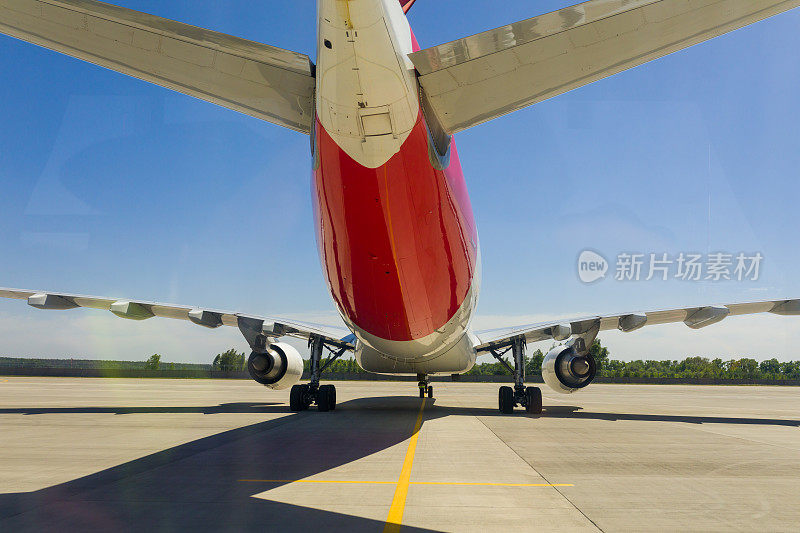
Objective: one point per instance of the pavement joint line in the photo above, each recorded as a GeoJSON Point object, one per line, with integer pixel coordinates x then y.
{"type": "Point", "coordinates": [394, 519]}
{"type": "Point", "coordinates": [738, 437]}
{"type": "Point", "coordinates": [457, 483]}
{"type": "Point", "coordinates": [539, 473]}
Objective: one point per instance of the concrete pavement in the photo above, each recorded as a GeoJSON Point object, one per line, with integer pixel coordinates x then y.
{"type": "Point", "coordinates": [228, 455]}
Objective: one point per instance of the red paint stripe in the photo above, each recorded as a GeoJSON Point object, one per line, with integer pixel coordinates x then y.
{"type": "Point", "coordinates": [398, 242]}
{"type": "Point", "coordinates": [414, 43]}
{"type": "Point", "coordinates": [407, 5]}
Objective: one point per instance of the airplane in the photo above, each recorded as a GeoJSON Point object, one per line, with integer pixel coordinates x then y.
{"type": "Point", "coordinates": [395, 229]}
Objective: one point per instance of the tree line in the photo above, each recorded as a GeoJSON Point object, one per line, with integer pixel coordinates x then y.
{"type": "Point", "coordinates": [153, 363]}
{"type": "Point", "coordinates": [691, 367]}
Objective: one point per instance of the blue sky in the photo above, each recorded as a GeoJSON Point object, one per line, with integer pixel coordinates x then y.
{"type": "Point", "coordinates": [115, 187]}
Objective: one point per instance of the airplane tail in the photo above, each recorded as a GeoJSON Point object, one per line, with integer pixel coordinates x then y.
{"type": "Point", "coordinates": [406, 5]}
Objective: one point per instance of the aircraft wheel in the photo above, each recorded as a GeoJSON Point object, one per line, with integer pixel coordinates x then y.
{"type": "Point", "coordinates": [297, 398]}
{"type": "Point", "coordinates": [430, 391]}
{"type": "Point", "coordinates": [333, 397]}
{"type": "Point", "coordinates": [534, 397]}
{"type": "Point", "coordinates": [506, 400]}
{"type": "Point", "coordinates": [325, 398]}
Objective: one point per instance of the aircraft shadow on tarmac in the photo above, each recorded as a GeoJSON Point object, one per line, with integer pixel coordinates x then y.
{"type": "Point", "coordinates": [197, 485]}
{"type": "Point", "coordinates": [576, 412]}
{"type": "Point", "coordinates": [572, 411]}
{"type": "Point", "coordinates": [556, 411]}
{"type": "Point", "coordinates": [241, 407]}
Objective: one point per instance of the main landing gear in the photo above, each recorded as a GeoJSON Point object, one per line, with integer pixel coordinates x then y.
{"type": "Point", "coordinates": [528, 397]}
{"type": "Point", "coordinates": [302, 396]}
{"type": "Point", "coordinates": [424, 387]}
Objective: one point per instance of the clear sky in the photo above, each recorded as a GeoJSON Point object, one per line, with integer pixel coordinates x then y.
{"type": "Point", "coordinates": [115, 187]}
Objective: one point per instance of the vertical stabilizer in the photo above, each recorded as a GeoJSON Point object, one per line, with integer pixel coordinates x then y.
{"type": "Point", "coordinates": [406, 4]}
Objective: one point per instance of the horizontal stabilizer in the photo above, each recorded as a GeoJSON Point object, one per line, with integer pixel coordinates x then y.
{"type": "Point", "coordinates": [478, 78]}
{"type": "Point", "coordinates": [253, 78]}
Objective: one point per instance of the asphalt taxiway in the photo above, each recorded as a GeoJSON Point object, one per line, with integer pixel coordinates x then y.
{"type": "Point", "coordinates": [155, 454]}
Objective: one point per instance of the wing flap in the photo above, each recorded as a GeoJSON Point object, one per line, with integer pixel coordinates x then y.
{"type": "Point", "coordinates": [209, 318]}
{"type": "Point", "coordinates": [18, 294]}
{"type": "Point", "coordinates": [478, 78]}
{"type": "Point", "coordinates": [693, 317]}
{"type": "Point", "coordinates": [256, 79]}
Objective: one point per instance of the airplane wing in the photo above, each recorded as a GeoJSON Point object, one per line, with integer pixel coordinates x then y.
{"type": "Point", "coordinates": [475, 79]}
{"type": "Point", "coordinates": [694, 317]}
{"type": "Point", "coordinates": [209, 318]}
{"type": "Point", "coordinates": [253, 78]}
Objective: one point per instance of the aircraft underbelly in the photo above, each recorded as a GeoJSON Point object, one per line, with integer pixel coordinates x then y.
{"type": "Point", "coordinates": [458, 358]}
{"type": "Point", "coordinates": [397, 243]}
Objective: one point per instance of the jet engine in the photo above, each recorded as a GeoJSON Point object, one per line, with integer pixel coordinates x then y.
{"type": "Point", "coordinates": [279, 367]}
{"type": "Point", "coordinates": [565, 371]}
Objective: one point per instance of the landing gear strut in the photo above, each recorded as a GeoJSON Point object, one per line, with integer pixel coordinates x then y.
{"type": "Point", "coordinates": [424, 387]}
{"type": "Point", "coordinates": [528, 397]}
{"type": "Point", "coordinates": [302, 396]}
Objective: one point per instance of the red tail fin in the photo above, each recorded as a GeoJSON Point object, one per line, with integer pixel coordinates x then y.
{"type": "Point", "coordinates": [406, 4]}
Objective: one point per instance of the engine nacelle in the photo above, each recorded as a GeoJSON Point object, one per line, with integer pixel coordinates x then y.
{"type": "Point", "coordinates": [278, 368]}
{"type": "Point", "coordinates": [565, 371]}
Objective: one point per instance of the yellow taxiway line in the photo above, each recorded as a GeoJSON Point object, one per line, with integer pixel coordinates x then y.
{"type": "Point", "coordinates": [394, 519]}
{"type": "Point", "coordinates": [314, 481]}
{"type": "Point", "coordinates": [455, 483]}
{"type": "Point", "coordinates": [493, 484]}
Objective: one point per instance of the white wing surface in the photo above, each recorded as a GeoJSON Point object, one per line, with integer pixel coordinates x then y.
{"type": "Point", "coordinates": [210, 318]}
{"type": "Point", "coordinates": [482, 77]}
{"type": "Point", "coordinates": [694, 317]}
{"type": "Point", "coordinates": [253, 78]}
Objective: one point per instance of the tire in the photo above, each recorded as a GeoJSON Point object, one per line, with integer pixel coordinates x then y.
{"type": "Point", "coordinates": [506, 400]}
{"type": "Point", "coordinates": [421, 392]}
{"type": "Point", "coordinates": [534, 397]}
{"type": "Point", "coordinates": [323, 399]}
{"type": "Point", "coordinates": [430, 391]}
{"type": "Point", "coordinates": [296, 398]}
{"type": "Point", "coordinates": [332, 390]}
